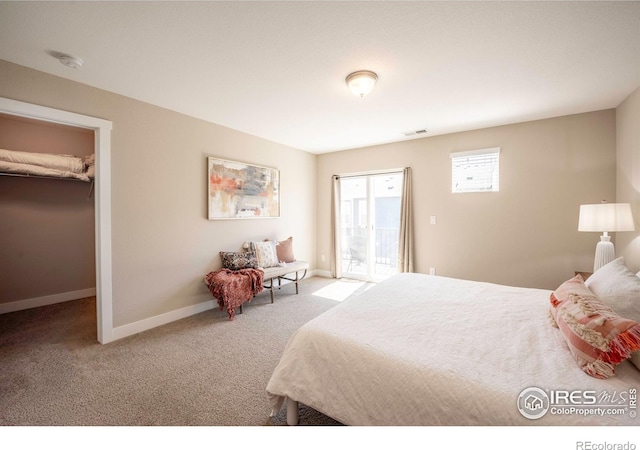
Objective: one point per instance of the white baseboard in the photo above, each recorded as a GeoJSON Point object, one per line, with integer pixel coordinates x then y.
{"type": "Point", "coordinates": [131, 328]}
{"type": "Point", "coordinates": [321, 273]}
{"type": "Point", "coordinates": [46, 300]}
{"type": "Point", "coordinates": [162, 319]}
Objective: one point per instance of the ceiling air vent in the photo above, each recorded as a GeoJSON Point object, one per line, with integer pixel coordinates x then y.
{"type": "Point", "coordinates": [415, 132]}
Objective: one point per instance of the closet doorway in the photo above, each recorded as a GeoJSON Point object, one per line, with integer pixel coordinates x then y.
{"type": "Point", "coordinates": [101, 194]}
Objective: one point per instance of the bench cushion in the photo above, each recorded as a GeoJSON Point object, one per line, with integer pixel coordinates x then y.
{"type": "Point", "coordinates": [279, 271]}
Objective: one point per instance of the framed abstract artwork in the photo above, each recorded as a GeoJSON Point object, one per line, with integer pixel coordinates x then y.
{"type": "Point", "coordinates": [242, 191]}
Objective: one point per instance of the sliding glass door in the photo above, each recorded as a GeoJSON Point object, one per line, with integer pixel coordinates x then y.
{"type": "Point", "coordinates": [369, 224]}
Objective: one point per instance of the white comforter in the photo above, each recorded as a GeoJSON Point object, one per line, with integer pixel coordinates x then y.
{"type": "Point", "coordinates": [427, 350]}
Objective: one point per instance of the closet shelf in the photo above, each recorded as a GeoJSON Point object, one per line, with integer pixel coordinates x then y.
{"type": "Point", "coordinates": [27, 175]}
{"type": "Point", "coordinates": [50, 166]}
{"type": "Point", "coordinates": [45, 177]}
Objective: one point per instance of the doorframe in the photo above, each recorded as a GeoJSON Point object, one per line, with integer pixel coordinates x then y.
{"type": "Point", "coordinates": [370, 227]}
{"type": "Point", "coordinates": [102, 189]}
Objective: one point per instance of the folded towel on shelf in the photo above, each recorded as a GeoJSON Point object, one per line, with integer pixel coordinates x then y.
{"type": "Point", "coordinates": [65, 163]}
{"type": "Point", "coordinates": [90, 163]}
{"type": "Point", "coordinates": [90, 160]}
{"type": "Point", "coordinates": [29, 169]}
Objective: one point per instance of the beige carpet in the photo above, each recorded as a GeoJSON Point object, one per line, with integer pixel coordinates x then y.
{"type": "Point", "coordinates": [202, 370]}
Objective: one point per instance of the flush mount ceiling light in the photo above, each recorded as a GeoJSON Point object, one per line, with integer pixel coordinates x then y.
{"type": "Point", "coordinates": [71, 61]}
{"type": "Point", "coordinates": [415, 132]}
{"type": "Point", "coordinates": [361, 82]}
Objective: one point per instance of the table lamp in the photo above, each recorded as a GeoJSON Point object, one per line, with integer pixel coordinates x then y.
{"type": "Point", "coordinates": [605, 218]}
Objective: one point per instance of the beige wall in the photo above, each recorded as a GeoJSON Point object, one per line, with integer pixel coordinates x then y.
{"type": "Point", "coordinates": [162, 243]}
{"type": "Point", "coordinates": [524, 235]}
{"type": "Point", "coordinates": [46, 226]}
{"type": "Point", "coordinates": [628, 174]}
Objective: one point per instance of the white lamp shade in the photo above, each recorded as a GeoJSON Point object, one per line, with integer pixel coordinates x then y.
{"type": "Point", "coordinates": [361, 82]}
{"type": "Point", "coordinates": [606, 217]}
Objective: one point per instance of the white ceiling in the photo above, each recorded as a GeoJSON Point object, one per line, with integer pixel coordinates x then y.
{"type": "Point", "coordinates": [277, 69]}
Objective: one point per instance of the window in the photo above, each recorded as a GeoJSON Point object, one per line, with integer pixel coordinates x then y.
{"type": "Point", "coordinates": [369, 241]}
{"type": "Point", "coordinates": [475, 170]}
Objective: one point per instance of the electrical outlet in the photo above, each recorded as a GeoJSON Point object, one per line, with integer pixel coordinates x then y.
{"type": "Point", "coordinates": [322, 258]}
{"type": "Point", "coordinates": [432, 271]}
{"type": "Point", "coordinates": [433, 220]}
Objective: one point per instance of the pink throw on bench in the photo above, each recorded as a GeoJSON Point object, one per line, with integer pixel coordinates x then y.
{"type": "Point", "coordinates": [234, 287]}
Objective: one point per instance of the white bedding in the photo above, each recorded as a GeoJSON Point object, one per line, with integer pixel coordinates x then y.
{"type": "Point", "coordinates": [427, 350]}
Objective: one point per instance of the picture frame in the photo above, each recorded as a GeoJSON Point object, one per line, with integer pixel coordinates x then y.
{"type": "Point", "coordinates": [238, 190]}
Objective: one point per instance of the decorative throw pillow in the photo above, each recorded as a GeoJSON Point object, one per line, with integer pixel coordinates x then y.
{"type": "Point", "coordinates": [615, 285]}
{"type": "Point", "coordinates": [266, 253]}
{"type": "Point", "coordinates": [618, 287]}
{"type": "Point", "coordinates": [574, 286]}
{"type": "Point", "coordinates": [284, 249]}
{"type": "Point", "coordinates": [239, 260]}
{"type": "Point", "coordinates": [598, 338]}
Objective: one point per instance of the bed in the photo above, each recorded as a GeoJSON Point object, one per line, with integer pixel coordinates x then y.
{"type": "Point", "coordinates": [429, 350]}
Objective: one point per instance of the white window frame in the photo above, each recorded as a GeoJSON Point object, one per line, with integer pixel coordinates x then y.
{"type": "Point", "coordinates": [480, 167]}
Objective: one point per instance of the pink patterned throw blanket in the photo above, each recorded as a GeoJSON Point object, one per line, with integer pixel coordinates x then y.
{"type": "Point", "coordinates": [234, 287]}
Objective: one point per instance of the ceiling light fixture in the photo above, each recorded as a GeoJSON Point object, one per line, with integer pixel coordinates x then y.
{"type": "Point", "coordinates": [361, 82]}
{"type": "Point", "coordinates": [415, 132]}
{"type": "Point", "coordinates": [71, 61]}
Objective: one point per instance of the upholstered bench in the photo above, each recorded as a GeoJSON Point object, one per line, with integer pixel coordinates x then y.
{"type": "Point", "coordinates": [279, 273]}
{"type": "Point", "coordinates": [273, 259]}
{"type": "Point", "coordinates": [290, 272]}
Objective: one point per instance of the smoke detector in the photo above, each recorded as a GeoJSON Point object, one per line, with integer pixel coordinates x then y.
{"type": "Point", "coordinates": [71, 61]}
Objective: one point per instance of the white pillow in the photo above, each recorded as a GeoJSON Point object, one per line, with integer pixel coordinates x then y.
{"type": "Point", "coordinates": [266, 253]}
{"type": "Point", "coordinates": [618, 287]}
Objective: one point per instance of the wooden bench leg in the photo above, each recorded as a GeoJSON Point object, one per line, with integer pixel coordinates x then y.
{"type": "Point", "coordinates": [296, 280]}
{"type": "Point", "coordinates": [271, 290]}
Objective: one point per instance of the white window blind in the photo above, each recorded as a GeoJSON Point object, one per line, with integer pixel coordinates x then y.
{"type": "Point", "coordinates": [475, 170]}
